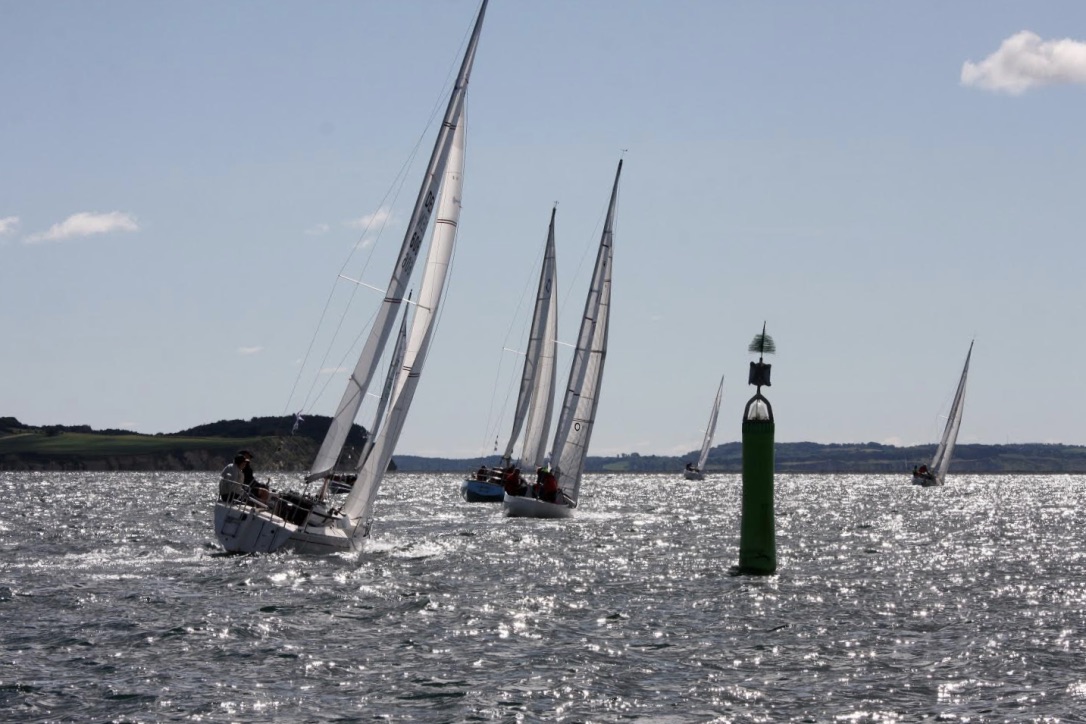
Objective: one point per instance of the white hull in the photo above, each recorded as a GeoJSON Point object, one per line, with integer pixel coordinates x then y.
{"type": "Point", "coordinates": [481, 491]}
{"type": "Point", "coordinates": [926, 481]}
{"type": "Point", "coordinates": [521, 506]}
{"type": "Point", "coordinates": [693, 475]}
{"type": "Point", "coordinates": [246, 529]}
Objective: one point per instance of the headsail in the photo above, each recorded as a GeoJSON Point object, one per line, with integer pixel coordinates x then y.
{"type": "Point", "coordinates": [394, 367]}
{"type": "Point", "coordinates": [359, 504]}
{"type": "Point", "coordinates": [537, 377]}
{"type": "Point", "coordinates": [711, 429]}
{"type": "Point", "coordinates": [419, 222]}
{"type": "Point", "coordinates": [941, 461]}
{"type": "Point", "coordinates": [585, 376]}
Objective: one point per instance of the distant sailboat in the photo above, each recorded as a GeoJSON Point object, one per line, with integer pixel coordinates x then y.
{"type": "Point", "coordinates": [935, 473]}
{"type": "Point", "coordinates": [560, 486]}
{"type": "Point", "coordinates": [308, 522]}
{"type": "Point", "coordinates": [535, 401]}
{"type": "Point", "coordinates": [697, 471]}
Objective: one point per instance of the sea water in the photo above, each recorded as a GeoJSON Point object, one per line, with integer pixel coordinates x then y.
{"type": "Point", "coordinates": [892, 603]}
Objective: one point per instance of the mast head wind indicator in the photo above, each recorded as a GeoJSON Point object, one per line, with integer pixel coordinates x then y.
{"type": "Point", "coordinates": [761, 345]}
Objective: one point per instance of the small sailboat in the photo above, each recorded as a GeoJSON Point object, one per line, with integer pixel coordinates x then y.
{"type": "Point", "coordinates": [535, 400]}
{"type": "Point", "coordinates": [697, 471]}
{"type": "Point", "coordinates": [314, 521]}
{"type": "Point", "coordinates": [560, 487]}
{"type": "Point", "coordinates": [935, 473]}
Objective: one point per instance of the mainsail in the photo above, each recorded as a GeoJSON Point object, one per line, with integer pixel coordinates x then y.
{"type": "Point", "coordinates": [535, 400]}
{"type": "Point", "coordinates": [711, 429]}
{"type": "Point", "coordinates": [941, 461]}
{"type": "Point", "coordinates": [419, 222]}
{"type": "Point", "coordinates": [586, 372]}
{"type": "Point", "coordinates": [359, 504]}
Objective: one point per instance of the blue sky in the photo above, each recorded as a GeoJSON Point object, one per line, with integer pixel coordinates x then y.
{"type": "Point", "coordinates": [182, 182]}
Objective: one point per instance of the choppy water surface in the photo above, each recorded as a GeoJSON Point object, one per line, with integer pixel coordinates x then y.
{"type": "Point", "coordinates": [893, 603]}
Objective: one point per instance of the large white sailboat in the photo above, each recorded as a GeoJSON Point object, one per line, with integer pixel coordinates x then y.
{"type": "Point", "coordinates": [934, 473]}
{"type": "Point", "coordinates": [535, 399]}
{"type": "Point", "coordinates": [562, 482]}
{"type": "Point", "coordinates": [313, 521]}
{"type": "Point", "coordinates": [696, 471]}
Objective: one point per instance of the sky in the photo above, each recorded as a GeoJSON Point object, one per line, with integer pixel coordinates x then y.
{"type": "Point", "coordinates": [183, 184]}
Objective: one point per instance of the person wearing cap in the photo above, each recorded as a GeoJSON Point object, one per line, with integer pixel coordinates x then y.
{"type": "Point", "coordinates": [232, 481]}
{"type": "Point", "coordinates": [255, 488]}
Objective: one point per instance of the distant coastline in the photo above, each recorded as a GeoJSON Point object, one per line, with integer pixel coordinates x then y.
{"type": "Point", "coordinates": [209, 447]}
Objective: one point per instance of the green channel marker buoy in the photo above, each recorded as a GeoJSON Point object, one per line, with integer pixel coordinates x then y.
{"type": "Point", "coordinates": [757, 528]}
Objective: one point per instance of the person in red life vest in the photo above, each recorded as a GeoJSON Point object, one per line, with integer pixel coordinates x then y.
{"type": "Point", "coordinates": [512, 481]}
{"type": "Point", "coordinates": [548, 485]}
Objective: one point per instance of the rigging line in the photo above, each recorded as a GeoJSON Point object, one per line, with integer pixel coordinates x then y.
{"type": "Point", "coordinates": [306, 400]}
{"type": "Point", "coordinates": [493, 426]}
{"type": "Point", "coordinates": [398, 181]}
{"type": "Point", "coordinates": [394, 189]}
{"type": "Point", "coordinates": [402, 176]}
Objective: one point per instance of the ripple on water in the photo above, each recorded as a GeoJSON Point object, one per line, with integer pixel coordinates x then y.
{"type": "Point", "coordinates": [893, 603]}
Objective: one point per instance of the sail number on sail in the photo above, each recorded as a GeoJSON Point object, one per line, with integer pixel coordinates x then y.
{"type": "Point", "coordinates": [412, 254]}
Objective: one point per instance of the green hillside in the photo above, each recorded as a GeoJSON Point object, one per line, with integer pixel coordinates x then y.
{"type": "Point", "coordinates": [211, 446]}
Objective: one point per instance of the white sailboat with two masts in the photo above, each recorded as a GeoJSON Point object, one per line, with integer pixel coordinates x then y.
{"type": "Point", "coordinates": [535, 399]}
{"type": "Point", "coordinates": [560, 483]}
{"type": "Point", "coordinates": [311, 519]}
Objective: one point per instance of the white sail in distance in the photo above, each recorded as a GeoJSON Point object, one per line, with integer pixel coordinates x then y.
{"type": "Point", "coordinates": [707, 442]}
{"type": "Point", "coordinates": [941, 461]}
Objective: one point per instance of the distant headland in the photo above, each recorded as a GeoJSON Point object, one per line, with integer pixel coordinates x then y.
{"type": "Point", "coordinates": [211, 446]}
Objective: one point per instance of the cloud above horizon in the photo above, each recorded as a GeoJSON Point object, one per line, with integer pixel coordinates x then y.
{"type": "Point", "coordinates": [375, 221]}
{"type": "Point", "coordinates": [318, 229]}
{"type": "Point", "coordinates": [8, 224]}
{"type": "Point", "coordinates": [85, 223]}
{"type": "Point", "coordinates": [1025, 61]}
{"type": "Point", "coordinates": [249, 350]}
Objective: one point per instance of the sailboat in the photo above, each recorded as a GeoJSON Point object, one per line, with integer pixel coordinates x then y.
{"type": "Point", "coordinates": [697, 471]}
{"type": "Point", "coordinates": [316, 522]}
{"type": "Point", "coordinates": [560, 486]}
{"type": "Point", "coordinates": [535, 400]}
{"type": "Point", "coordinates": [935, 473]}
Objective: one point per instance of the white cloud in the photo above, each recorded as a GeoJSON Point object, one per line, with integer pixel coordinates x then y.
{"type": "Point", "coordinates": [371, 222]}
{"type": "Point", "coordinates": [318, 229]}
{"type": "Point", "coordinates": [85, 223]}
{"type": "Point", "coordinates": [1024, 61]}
{"type": "Point", "coordinates": [250, 350]}
{"type": "Point", "coordinates": [8, 224]}
{"type": "Point", "coordinates": [332, 370]}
